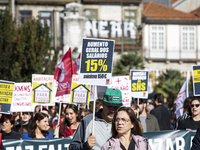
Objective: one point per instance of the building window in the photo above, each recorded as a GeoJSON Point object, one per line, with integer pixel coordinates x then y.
{"type": "Point", "coordinates": [46, 18]}
{"type": "Point", "coordinates": [23, 15]}
{"type": "Point", "coordinates": [157, 37]}
{"type": "Point", "coordinates": [130, 15]}
{"type": "Point", "coordinates": [188, 38]}
{"type": "Point", "coordinates": [91, 13]}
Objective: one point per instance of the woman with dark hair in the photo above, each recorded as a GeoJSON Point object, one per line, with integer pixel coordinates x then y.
{"type": "Point", "coordinates": [193, 122]}
{"type": "Point", "coordinates": [7, 122]}
{"type": "Point", "coordinates": [126, 133]}
{"type": "Point", "coordinates": [38, 127]}
{"type": "Point", "coordinates": [70, 122]}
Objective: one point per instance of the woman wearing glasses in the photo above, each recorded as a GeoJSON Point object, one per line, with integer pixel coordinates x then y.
{"type": "Point", "coordinates": [194, 111]}
{"type": "Point", "coordinates": [126, 133]}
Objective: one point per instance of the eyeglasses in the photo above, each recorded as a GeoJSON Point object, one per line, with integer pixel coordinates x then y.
{"type": "Point", "coordinates": [123, 120]}
{"type": "Point", "coordinates": [197, 105]}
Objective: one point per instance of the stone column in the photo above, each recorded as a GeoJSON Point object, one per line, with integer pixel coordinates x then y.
{"type": "Point", "coordinates": [73, 28]}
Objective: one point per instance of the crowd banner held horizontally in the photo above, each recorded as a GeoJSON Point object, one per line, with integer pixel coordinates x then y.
{"type": "Point", "coordinates": [22, 97]}
{"type": "Point", "coordinates": [163, 140]}
{"type": "Point", "coordinates": [96, 62]}
{"type": "Point", "coordinates": [80, 93]}
{"type": "Point", "coordinates": [6, 94]}
{"type": "Point", "coordinates": [139, 83]}
{"type": "Point", "coordinates": [122, 83]}
{"type": "Point", "coordinates": [42, 86]}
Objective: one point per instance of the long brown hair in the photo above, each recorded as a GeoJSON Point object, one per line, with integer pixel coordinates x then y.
{"type": "Point", "coordinates": [38, 116]}
{"type": "Point", "coordinates": [65, 121]}
{"type": "Point", "coordinates": [135, 130]}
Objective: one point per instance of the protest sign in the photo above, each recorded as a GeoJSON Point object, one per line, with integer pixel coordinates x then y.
{"type": "Point", "coordinates": [96, 62]}
{"type": "Point", "coordinates": [196, 80]}
{"type": "Point", "coordinates": [122, 83]}
{"type": "Point", "coordinates": [42, 86]}
{"type": "Point", "coordinates": [6, 94]}
{"type": "Point", "coordinates": [139, 83]}
{"type": "Point", "coordinates": [162, 140]}
{"type": "Point", "coordinates": [22, 96]}
{"type": "Point", "coordinates": [80, 93]}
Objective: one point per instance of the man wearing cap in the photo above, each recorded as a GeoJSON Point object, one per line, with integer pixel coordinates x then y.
{"type": "Point", "coordinates": [83, 138]}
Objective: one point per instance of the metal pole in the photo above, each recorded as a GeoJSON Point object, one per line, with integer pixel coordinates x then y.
{"type": "Point", "coordinates": [55, 32]}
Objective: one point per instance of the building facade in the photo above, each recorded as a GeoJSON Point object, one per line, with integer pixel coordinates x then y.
{"type": "Point", "coordinates": [171, 39]}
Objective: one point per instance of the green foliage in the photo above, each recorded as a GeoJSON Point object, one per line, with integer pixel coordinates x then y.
{"type": "Point", "coordinates": [25, 50]}
{"type": "Point", "coordinates": [127, 62]}
{"type": "Point", "coordinates": [170, 83]}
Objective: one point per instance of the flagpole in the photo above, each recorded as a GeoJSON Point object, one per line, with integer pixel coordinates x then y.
{"type": "Point", "coordinates": [138, 108]}
{"type": "Point", "coordinates": [94, 106]}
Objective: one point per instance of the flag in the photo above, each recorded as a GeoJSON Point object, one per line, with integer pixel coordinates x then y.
{"type": "Point", "coordinates": [182, 95]}
{"type": "Point", "coordinates": [63, 74]}
{"type": "Point", "coordinates": [76, 65]}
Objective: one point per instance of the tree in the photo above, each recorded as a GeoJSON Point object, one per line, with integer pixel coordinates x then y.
{"type": "Point", "coordinates": [25, 50]}
{"type": "Point", "coordinates": [127, 62]}
{"type": "Point", "coordinates": [170, 83]}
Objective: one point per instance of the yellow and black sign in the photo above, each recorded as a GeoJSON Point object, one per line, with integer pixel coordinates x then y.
{"type": "Point", "coordinates": [6, 93]}
{"type": "Point", "coordinates": [80, 93]}
{"type": "Point", "coordinates": [139, 83]}
{"type": "Point", "coordinates": [196, 80]}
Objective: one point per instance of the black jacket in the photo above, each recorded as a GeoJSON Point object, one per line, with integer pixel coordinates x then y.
{"type": "Point", "coordinates": [163, 117]}
{"type": "Point", "coordinates": [196, 141]}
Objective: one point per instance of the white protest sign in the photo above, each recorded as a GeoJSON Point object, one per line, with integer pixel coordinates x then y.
{"type": "Point", "coordinates": [123, 84]}
{"type": "Point", "coordinates": [22, 95]}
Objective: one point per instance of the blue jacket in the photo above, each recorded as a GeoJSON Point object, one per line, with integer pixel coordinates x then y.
{"type": "Point", "coordinates": [28, 136]}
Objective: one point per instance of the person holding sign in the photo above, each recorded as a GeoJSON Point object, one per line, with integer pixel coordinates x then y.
{"type": "Point", "coordinates": [71, 121]}
{"type": "Point", "coordinates": [126, 133]}
{"type": "Point", "coordinates": [38, 127]}
{"type": "Point", "coordinates": [83, 138]}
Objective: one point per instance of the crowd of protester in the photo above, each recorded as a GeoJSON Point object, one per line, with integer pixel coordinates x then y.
{"type": "Point", "coordinates": [144, 115]}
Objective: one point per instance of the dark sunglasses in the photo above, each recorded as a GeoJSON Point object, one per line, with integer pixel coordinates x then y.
{"type": "Point", "coordinates": [197, 105]}
{"type": "Point", "coordinates": [25, 113]}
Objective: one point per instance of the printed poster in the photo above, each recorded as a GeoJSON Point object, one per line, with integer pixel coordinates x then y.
{"type": "Point", "coordinates": [80, 93]}
{"type": "Point", "coordinates": [22, 96]}
{"type": "Point", "coordinates": [123, 84]}
{"type": "Point", "coordinates": [139, 83]}
{"type": "Point", "coordinates": [196, 80]}
{"type": "Point", "coordinates": [42, 86]}
{"type": "Point", "coordinates": [96, 62]}
{"type": "Point", "coordinates": [6, 94]}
